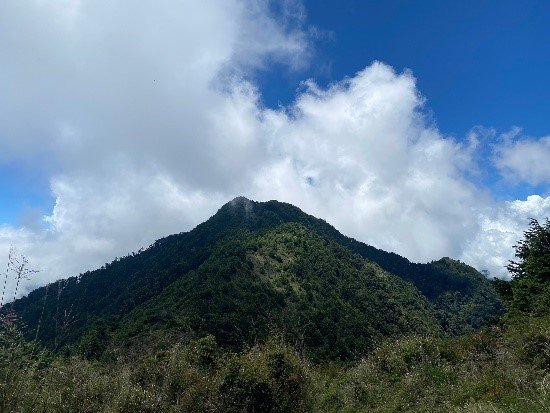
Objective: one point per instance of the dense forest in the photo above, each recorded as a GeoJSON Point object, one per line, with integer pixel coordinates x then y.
{"type": "Point", "coordinates": [232, 265]}
{"type": "Point", "coordinates": [264, 308]}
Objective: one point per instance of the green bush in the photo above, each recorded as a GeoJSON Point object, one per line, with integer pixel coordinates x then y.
{"type": "Point", "coordinates": [269, 378]}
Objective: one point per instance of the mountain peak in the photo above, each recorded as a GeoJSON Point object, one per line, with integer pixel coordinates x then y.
{"type": "Point", "coordinates": [240, 201]}
{"type": "Point", "coordinates": [239, 206]}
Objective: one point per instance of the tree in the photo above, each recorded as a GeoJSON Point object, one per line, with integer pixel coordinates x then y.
{"type": "Point", "coordinates": [531, 272]}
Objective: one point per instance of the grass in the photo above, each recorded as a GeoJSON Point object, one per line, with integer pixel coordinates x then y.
{"type": "Point", "coordinates": [504, 369]}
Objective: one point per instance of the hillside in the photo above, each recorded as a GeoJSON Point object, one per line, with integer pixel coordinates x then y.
{"type": "Point", "coordinates": [271, 322]}
{"type": "Point", "coordinates": [290, 280]}
{"type": "Point", "coordinates": [459, 297]}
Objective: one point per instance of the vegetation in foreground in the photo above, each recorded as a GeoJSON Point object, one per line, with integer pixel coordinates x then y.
{"type": "Point", "coordinates": [502, 368]}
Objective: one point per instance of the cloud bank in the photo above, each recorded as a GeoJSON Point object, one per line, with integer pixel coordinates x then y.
{"type": "Point", "coordinates": [147, 115]}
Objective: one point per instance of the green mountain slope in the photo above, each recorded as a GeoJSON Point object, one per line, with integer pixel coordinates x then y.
{"type": "Point", "coordinates": [464, 298]}
{"type": "Point", "coordinates": [286, 279]}
{"type": "Point", "coordinates": [59, 314]}
{"type": "Point", "coordinates": [255, 280]}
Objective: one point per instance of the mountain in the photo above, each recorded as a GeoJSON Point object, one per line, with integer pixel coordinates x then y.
{"type": "Point", "coordinates": [278, 318]}
{"type": "Point", "coordinates": [285, 279]}
{"type": "Point", "coordinates": [253, 269]}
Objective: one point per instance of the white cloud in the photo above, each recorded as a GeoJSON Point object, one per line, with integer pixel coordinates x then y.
{"type": "Point", "coordinates": [145, 112]}
{"type": "Point", "coordinates": [524, 160]}
{"type": "Point", "coordinates": [502, 226]}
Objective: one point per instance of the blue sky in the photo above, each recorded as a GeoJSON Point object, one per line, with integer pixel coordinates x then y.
{"type": "Point", "coordinates": [23, 189]}
{"type": "Point", "coordinates": [123, 121]}
{"type": "Point", "coordinates": [477, 62]}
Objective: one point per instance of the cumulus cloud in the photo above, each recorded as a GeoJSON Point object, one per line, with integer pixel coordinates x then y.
{"type": "Point", "coordinates": [148, 116]}
{"type": "Point", "coordinates": [524, 159]}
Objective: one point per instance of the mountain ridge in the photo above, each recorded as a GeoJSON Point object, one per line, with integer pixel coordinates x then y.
{"type": "Point", "coordinates": [462, 299]}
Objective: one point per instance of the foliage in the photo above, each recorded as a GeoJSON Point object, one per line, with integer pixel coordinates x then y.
{"type": "Point", "coordinates": [268, 378]}
{"type": "Point", "coordinates": [477, 372]}
{"type": "Point", "coordinates": [287, 280]}
{"type": "Point", "coordinates": [531, 273]}
{"type": "Point", "coordinates": [234, 335]}
{"type": "Point", "coordinates": [462, 299]}
{"type": "Point", "coordinates": [497, 370]}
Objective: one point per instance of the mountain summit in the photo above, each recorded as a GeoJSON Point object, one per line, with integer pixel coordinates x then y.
{"type": "Point", "coordinates": [254, 269]}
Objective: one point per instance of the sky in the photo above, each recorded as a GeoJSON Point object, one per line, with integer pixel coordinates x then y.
{"type": "Point", "coordinates": [417, 127]}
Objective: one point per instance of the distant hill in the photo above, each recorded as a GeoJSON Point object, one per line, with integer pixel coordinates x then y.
{"type": "Point", "coordinates": [256, 268]}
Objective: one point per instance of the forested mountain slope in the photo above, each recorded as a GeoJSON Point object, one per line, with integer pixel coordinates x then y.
{"type": "Point", "coordinates": [290, 280]}
{"type": "Point", "coordinates": [59, 314]}
{"type": "Point", "coordinates": [283, 280]}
